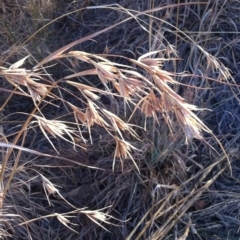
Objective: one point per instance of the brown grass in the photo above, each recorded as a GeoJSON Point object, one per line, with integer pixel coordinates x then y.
{"type": "Point", "coordinates": [119, 121]}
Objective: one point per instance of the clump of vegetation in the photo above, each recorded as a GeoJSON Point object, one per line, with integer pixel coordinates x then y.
{"type": "Point", "coordinates": [118, 121]}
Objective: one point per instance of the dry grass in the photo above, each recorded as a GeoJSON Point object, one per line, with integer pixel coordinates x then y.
{"type": "Point", "coordinates": [119, 121]}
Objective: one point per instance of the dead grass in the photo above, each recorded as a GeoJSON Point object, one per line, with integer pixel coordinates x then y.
{"type": "Point", "coordinates": [119, 121]}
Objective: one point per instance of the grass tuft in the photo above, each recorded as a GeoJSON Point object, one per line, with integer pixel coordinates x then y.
{"type": "Point", "coordinates": [119, 121]}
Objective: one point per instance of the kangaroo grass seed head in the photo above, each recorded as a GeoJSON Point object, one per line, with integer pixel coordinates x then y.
{"type": "Point", "coordinates": [123, 151]}
{"type": "Point", "coordinates": [65, 221]}
{"type": "Point", "coordinates": [56, 129]}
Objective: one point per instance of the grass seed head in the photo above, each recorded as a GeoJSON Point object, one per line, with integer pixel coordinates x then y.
{"type": "Point", "coordinates": [65, 221]}
{"type": "Point", "coordinates": [150, 104]}
{"type": "Point", "coordinates": [49, 188]}
{"type": "Point", "coordinates": [123, 151]}
{"type": "Point", "coordinates": [93, 116]}
{"type": "Point", "coordinates": [106, 72]}
{"type": "Point", "coordinates": [118, 124]}
{"type": "Point", "coordinates": [56, 129]}
{"type": "Point", "coordinates": [78, 113]}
